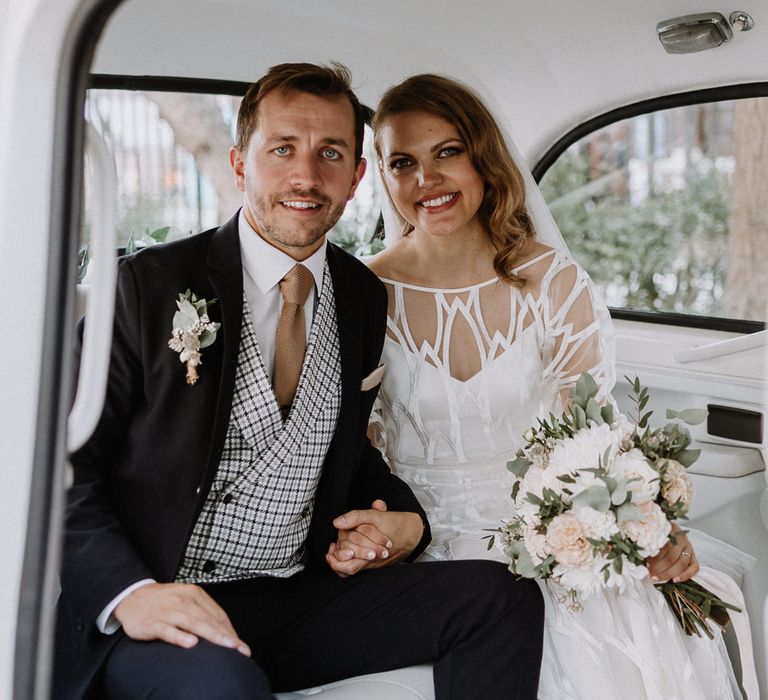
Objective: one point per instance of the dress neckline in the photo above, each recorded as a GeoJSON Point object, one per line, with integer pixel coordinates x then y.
{"type": "Point", "coordinates": [478, 285]}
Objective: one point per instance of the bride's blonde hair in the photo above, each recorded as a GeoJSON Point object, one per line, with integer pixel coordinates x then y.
{"type": "Point", "coordinates": [502, 211]}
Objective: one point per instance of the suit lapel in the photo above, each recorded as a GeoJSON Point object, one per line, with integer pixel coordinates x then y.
{"type": "Point", "coordinates": [225, 273]}
{"type": "Point", "coordinates": [337, 471]}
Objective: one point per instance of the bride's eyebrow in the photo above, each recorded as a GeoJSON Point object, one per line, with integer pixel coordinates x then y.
{"type": "Point", "coordinates": [444, 143]}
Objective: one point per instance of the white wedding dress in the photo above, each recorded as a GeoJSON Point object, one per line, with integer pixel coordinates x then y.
{"type": "Point", "coordinates": [467, 371]}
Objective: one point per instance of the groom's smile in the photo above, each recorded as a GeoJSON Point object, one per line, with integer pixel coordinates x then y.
{"type": "Point", "coordinates": [298, 170]}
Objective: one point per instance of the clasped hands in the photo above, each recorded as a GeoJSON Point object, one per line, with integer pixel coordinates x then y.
{"type": "Point", "coordinates": [183, 613]}
{"type": "Point", "coordinates": [369, 539]}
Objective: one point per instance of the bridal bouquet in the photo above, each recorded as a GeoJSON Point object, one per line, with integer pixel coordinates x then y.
{"type": "Point", "coordinates": [595, 495]}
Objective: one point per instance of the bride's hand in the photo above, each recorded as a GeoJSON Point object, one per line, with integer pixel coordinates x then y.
{"type": "Point", "coordinates": [676, 562]}
{"type": "Point", "coordinates": [372, 538]}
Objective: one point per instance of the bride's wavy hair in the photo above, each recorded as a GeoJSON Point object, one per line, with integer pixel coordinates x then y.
{"type": "Point", "coordinates": [502, 211]}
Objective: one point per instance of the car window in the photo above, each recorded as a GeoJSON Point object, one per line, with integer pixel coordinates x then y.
{"type": "Point", "coordinates": [668, 212]}
{"type": "Point", "coordinates": [173, 176]}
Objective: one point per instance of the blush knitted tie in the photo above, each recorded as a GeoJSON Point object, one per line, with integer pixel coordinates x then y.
{"type": "Point", "coordinates": [291, 339]}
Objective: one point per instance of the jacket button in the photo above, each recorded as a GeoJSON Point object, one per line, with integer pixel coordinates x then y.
{"type": "Point", "coordinates": [227, 498]}
{"type": "Point", "coordinates": [197, 491]}
{"type": "Point", "coordinates": [209, 566]}
{"type": "Point", "coordinates": [305, 512]}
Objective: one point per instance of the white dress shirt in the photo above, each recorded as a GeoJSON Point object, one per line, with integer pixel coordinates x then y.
{"type": "Point", "coordinates": [263, 268]}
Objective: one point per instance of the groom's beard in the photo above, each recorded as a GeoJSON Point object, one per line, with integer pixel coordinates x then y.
{"type": "Point", "coordinates": [273, 222]}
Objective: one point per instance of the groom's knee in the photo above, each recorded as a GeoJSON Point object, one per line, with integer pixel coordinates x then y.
{"type": "Point", "coordinates": [156, 669]}
{"type": "Point", "coordinates": [493, 591]}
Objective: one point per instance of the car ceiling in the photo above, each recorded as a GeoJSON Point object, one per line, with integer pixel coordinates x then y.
{"type": "Point", "coordinates": [544, 67]}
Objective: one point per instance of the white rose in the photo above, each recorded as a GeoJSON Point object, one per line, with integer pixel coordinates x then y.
{"type": "Point", "coordinates": [629, 572]}
{"type": "Point", "coordinates": [676, 484]}
{"type": "Point", "coordinates": [594, 524]}
{"type": "Point", "coordinates": [584, 450]}
{"type": "Point", "coordinates": [565, 539]}
{"type": "Point", "coordinates": [650, 531]}
{"type": "Point", "coordinates": [536, 544]}
{"type": "Point", "coordinates": [634, 465]}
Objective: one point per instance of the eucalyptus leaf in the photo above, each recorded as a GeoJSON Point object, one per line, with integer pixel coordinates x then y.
{"type": "Point", "coordinates": [524, 565]}
{"type": "Point", "coordinates": [186, 309]}
{"type": "Point", "coordinates": [607, 413]}
{"type": "Point", "coordinates": [207, 338]}
{"type": "Point", "coordinates": [593, 412]}
{"type": "Point", "coordinates": [620, 493]}
{"type": "Point", "coordinates": [628, 512]}
{"type": "Point", "coordinates": [595, 497]}
{"type": "Point", "coordinates": [519, 466]}
{"type": "Point", "coordinates": [579, 416]}
{"type": "Point", "coordinates": [160, 234]}
{"type": "Point", "coordinates": [687, 457]}
{"type": "Point", "coordinates": [585, 389]}
{"type": "Point", "coordinates": [182, 321]}
{"type": "Point", "coordinates": [691, 416]}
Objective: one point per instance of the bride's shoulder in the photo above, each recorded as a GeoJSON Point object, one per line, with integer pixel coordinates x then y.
{"type": "Point", "coordinates": [388, 262]}
{"type": "Point", "coordinates": [533, 252]}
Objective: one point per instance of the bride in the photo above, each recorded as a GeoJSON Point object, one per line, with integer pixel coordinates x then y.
{"type": "Point", "coordinates": [490, 323]}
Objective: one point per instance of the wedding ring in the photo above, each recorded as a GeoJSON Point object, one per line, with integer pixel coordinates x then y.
{"type": "Point", "coordinates": [686, 554]}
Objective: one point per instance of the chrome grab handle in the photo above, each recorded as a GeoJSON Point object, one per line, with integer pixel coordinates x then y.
{"type": "Point", "coordinates": [99, 309]}
{"type": "Point", "coordinates": [721, 348]}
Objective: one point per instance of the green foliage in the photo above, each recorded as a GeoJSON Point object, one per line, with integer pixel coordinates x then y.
{"type": "Point", "coordinates": [667, 253]}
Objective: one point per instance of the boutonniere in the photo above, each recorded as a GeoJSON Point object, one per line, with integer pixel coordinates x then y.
{"type": "Point", "coordinates": [192, 331]}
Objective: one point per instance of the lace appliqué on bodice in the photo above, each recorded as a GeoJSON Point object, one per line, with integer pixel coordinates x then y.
{"type": "Point", "coordinates": [468, 370]}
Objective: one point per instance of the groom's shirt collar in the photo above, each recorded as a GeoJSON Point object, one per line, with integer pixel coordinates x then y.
{"type": "Point", "coordinates": [267, 265]}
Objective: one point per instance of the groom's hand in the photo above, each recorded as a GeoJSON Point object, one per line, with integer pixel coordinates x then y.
{"type": "Point", "coordinates": [179, 614]}
{"type": "Point", "coordinates": [370, 539]}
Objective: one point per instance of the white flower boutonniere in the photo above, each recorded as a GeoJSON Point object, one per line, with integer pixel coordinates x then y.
{"type": "Point", "coordinates": [192, 331]}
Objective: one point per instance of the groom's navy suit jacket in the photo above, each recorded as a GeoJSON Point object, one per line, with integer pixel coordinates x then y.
{"type": "Point", "coordinates": [143, 477]}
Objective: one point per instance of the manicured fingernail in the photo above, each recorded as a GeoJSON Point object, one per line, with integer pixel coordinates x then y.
{"type": "Point", "coordinates": [384, 554]}
{"type": "Point", "coordinates": [244, 650]}
{"type": "Point", "coordinates": [340, 521]}
{"type": "Point", "coordinates": [389, 544]}
{"type": "Point", "coordinates": [655, 578]}
{"type": "Point", "coordinates": [371, 555]}
{"type": "Point", "coordinates": [676, 579]}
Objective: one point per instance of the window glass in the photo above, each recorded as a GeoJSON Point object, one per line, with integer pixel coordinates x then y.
{"type": "Point", "coordinates": [667, 211]}
{"type": "Point", "coordinates": [173, 174]}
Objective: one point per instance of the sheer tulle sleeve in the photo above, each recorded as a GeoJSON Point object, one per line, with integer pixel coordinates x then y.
{"type": "Point", "coordinates": [377, 432]}
{"type": "Point", "coordinates": [578, 335]}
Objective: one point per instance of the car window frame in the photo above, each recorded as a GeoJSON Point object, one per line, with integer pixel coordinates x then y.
{"type": "Point", "coordinates": [636, 109]}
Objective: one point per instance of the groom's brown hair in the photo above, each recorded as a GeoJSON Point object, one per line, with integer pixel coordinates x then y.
{"type": "Point", "coordinates": [324, 81]}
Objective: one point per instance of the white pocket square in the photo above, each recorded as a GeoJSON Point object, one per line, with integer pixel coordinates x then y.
{"type": "Point", "coordinates": [373, 379]}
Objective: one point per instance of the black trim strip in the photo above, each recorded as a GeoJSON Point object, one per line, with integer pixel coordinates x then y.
{"type": "Point", "coordinates": [667, 318]}
{"type": "Point", "coordinates": [165, 83]}
{"type": "Point", "coordinates": [162, 83]}
{"type": "Point", "coordinates": [33, 650]}
{"type": "Point", "coordinates": [682, 99]}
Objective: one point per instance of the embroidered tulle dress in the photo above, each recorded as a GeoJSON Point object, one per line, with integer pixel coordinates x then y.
{"type": "Point", "coordinates": [467, 372]}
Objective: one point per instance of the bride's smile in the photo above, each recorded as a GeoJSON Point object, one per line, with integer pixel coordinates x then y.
{"type": "Point", "coordinates": [429, 174]}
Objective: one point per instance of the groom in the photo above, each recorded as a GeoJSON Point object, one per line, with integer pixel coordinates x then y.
{"type": "Point", "coordinates": [230, 530]}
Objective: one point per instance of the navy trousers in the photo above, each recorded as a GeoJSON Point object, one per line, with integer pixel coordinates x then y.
{"type": "Point", "coordinates": [481, 629]}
